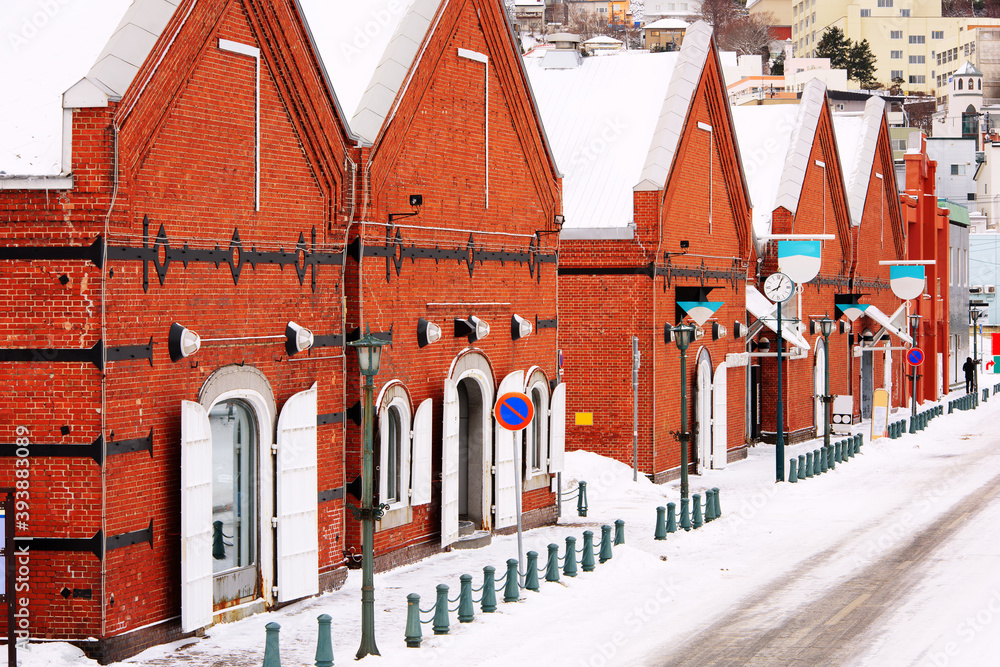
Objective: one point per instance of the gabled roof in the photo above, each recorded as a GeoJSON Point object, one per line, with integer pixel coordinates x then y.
{"type": "Point", "coordinates": [967, 69]}
{"type": "Point", "coordinates": [667, 24]}
{"type": "Point", "coordinates": [811, 106]}
{"type": "Point", "coordinates": [857, 144]}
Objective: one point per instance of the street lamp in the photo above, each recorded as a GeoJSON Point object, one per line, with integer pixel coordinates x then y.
{"type": "Point", "coordinates": [974, 315]}
{"type": "Point", "coordinates": [683, 334]}
{"type": "Point", "coordinates": [914, 323]}
{"type": "Point", "coordinates": [369, 349]}
{"type": "Point", "coordinates": [826, 328]}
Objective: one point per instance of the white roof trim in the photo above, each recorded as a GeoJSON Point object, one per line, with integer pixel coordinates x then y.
{"type": "Point", "coordinates": [764, 310]}
{"type": "Point", "coordinates": [886, 322]}
{"type": "Point", "coordinates": [864, 158]}
{"type": "Point", "coordinates": [800, 148]}
{"type": "Point", "coordinates": [683, 83]}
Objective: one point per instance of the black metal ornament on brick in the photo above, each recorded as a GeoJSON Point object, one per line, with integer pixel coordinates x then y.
{"type": "Point", "coordinates": [95, 355]}
{"type": "Point", "coordinates": [697, 293]}
{"type": "Point", "coordinates": [546, 324]}
{"type": "Point", "coordinates": [330, 418]}
{"type": "Point", "coordinates": [92, 253]}
{"type": "Point", "coordinates": [96, 545]}
{"type": "Point", "coordinates": [395, 251]}
{"type": "Point", "coordinates": [94, 450]}
{"type": "Point", "coordinates": [331, 494]}
{"type": "Point", "coordinates": [235, 256]}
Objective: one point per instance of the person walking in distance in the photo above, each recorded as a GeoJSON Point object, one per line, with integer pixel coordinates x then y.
{"type": "Point", "coordinates": [970, 374]}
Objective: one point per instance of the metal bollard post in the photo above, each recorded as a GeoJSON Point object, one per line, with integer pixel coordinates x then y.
{"type": "Point", "coordinates": [489, 602]}
{"type": "Point", "coordinates": [606, 551]}
{"type": "Point", "coordinates": [718, 507]}
{"type": "Point", "coordinates": [802, 466]}
{"type": "Point", "coordinates": [660, 532]}
{"type": "Point", "coordinates": [581, 500]}
{"type": "Point", "coordinates": [822, 458]}
{"type": "Point", "coordinates": [531, 578]}
{"type": "Point", "coordinates": [619, 531]}
{"type": "Point", "coordinates": [710, 502]}
{"type": "Point", "coordinates": [831, 460]}
{"type": "Point", "coordinates": [671, 518]}
{"type": "Point", "coordinates": [569, 566]}
{"type": "Point", "coordinates": [951, 407]}
{"type": "Point", "coordinates": [552, 568]}
{"type": "Point", "coordinates": [324, 645]}
{"type": "Point", "coordinates": [685, 515]}
{"type": "Point", "coordinates": [441, 620]}
{"type": "Point", "coordinates": [809, 464]}
{"type": "Point", "coordinates": [587, 560]}
{"type": "Point", "coordinates": [512, 587]}
{"type": "Point", "coordinates": [792, 474]}
{"type": "Point", "coordinates": [858, 441]}
{"type": "Point", "coordinates": [413, 634]}
{"type": "Point", "coordinates": [838, 452]}
{"type": "Point", "coordinates": [466, 611]}
{"type": "Point", "coordinates": [272, 653]}
{"type": "Point", "coordinates": [696, 522]}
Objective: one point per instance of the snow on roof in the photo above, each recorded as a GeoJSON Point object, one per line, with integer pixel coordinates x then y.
{"type": "Point", "coordinates": [529, 3]}
{"type": "Point", "coordinates": [603, 39]}
{"type": "Point", "coordinates": [857, 143]}
{"type": "Point", "coordinates": [599, 119]}
{"type": "Point", "coordinates": [966, 69]}
{"type": "Point", "coordinates": [667, 24]}
{"type": "Point", "coordinates": [674, 108]}
{"type": "Point", "coordinates": [803, 134]}
{"type": "Point", "coordinates": [53, 44]}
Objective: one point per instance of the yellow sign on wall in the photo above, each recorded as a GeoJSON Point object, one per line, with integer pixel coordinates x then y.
{"type": "Point", "coordinates": [880, 413]}
{"type": "Point", "coordinates": [584, 418]}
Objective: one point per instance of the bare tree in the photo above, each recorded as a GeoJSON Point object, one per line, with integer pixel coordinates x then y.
{"type": "Point", "coordinates": [583, 23]}
{"type": "Point", "coordinates": [956, 8]}
{"type": "Point", "coordinates": [719, 13]}
{"type": "Point", "coordinates": [747, 34]}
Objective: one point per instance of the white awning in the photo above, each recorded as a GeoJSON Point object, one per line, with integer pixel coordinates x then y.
{"type": "Point", "coordinates": [761, 307]}
{"type": "Point", "coordinates": [888, 323]}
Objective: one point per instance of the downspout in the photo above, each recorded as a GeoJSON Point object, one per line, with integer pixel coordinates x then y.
{"type": "Point", "coordinates": [343, 328]}
{"type": "Point", "coordinates": [652, 348]}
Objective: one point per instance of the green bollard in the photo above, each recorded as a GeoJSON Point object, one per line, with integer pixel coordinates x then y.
{"type": "Point", "coordinates": [531, 578]}
{"type": "Point", "coordinates": [272, 653]}
{"type": "Point", "coordinates": [671, 518]}
{"type": "Point", "coordinates": [619, 531]}
{"type": "Point", "coordinates": [489, 602]}
{"type": "Point", "coordinates": [858, 441]}
{"type": "Point", "coordinates": [710, 505]}
{"type": "Point", "coordinates": [685, 515]}
{"type": "Point", "coordinates": [324, 645]}
{"type": "Point", "coordinates": [569, 566]}
{"type": "Point", "coordinates": [218, 544]}
{"type": "Point", "coordinates": [552, 569]}
{"type": "Point", "coordinates": [660, 533]}
{"type": "Point", "coordinates": [986, 395]}
{"type": "Point", "coordinates": [512, 587]}
{"type": "Point", "coordinates": [792, 475]}
{"type": "Point", "coordinates": [696, 521]}
{"type": "Point", "coordinates": [413, 634]}
{"type": "Point", "coordinates": [809, 465]}
{"type": "Point", "coordinates": [718, 507]}
{"type": "Point", "coordinates": [587, 561]}
{"type": "Point", "coordinates": [802, 466]}
{"type": "Point", "coordinates": [822, 459]}
{"type": "Point", "coordinates": [581, 500]}
{"type": "Point", "coordinates": [606, 551]}
{"type": "Point", "coordinates": [838, 454]}
{"type": "Point", "coordinates": [831, 455]}
{"type": "Point", "coordinates": [441, 620]}
{"type": "Point", "coordinates": [466, 611]}
{"type": "Point", "coordinates": [951, 407]}
{"type": "Point", "coordinates": [913, 425]}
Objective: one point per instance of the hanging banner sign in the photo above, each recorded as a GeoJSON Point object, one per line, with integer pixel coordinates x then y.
{"type": "Point", "coordinates": [907, 281]}
{"type": "Point", "coordinates": [799, 260]}
{"type": "Point", "coordinates": [853, 310]}
{"type": "Point", "coordinates": [700, 311]}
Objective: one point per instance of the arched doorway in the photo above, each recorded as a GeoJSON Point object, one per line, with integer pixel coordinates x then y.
{"type": "Point", "coordinates": [703, 410]}
{"type": "Point", "coordinates": [819, 384]}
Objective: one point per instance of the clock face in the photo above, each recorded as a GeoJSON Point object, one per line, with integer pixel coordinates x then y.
{"type": "Point", "coordinates": [778, 287]}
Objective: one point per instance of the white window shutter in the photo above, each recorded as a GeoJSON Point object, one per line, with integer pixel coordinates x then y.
{"type": "Point", "coordinates": [557, 428]}
{"type": "Point", "coordinates": [196, 517]}
{"type": "Point", "coordinates": [720, 423]}
{"type": "Point", "coordinates": [297, 511]}
{"type": "Point", "coordinates": [449, 464]}
{"type": "Point", "coordinates": [504, 442]}
{"type": "Point", "coordinates": [420, 481]}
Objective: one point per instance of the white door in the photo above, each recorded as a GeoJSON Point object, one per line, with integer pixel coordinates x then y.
{"type": "Point", "coordinates": [449, 464]}
{"type": "Point", "coordinates": [703, 412]}
{"type": "Point", "coordinates": [505, 445]}
{"type": "Point", "coordinates": [557, 428]}
{"type": "Point", "coordinates": [720, 422]}
{"type": "Point", "coordinates": [297, 511]}
{"type": "Point", "coordinates": [196, 517]}
{"type": "Point", "coordinates": [420, 479]}
{"type": "Point", "coordinates": [819, 386]}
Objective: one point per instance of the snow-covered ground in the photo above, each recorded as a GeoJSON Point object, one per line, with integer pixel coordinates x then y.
{"type": "Point", "coordinates": [658, 593]}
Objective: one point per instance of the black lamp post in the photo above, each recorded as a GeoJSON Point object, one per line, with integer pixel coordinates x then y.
{"type": "Point", "coordinates": [369, 349]}
{"type": "Point", "coordinates": [914, 323]}
{"type": "Point", "coordinates": [974, 315]}
{"type": "Point", "coordinates": [683, 334]}
{"type": "Point", "coordinates": [826, 328]}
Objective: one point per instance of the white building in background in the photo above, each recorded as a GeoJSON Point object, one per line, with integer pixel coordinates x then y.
{"type": "Point", "coordinates": [687, 10]}
{"type": "Point", "coordinates": [960, 116]}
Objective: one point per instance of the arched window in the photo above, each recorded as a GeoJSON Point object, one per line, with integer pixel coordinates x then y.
{"type": "Point", "coordinates": [971, 85]}
{"type": "Point", "coordinates": [960, 84]}
{"type": "Point", "coordinates": [393, 454]}
{"type": "Point", "coordinates": [536, 436]}
{"type": "Point", "coordinates": [234, 490]}
{"type": "Point", "coordinates": [980, 84]}
{"type": "Point", "coordinates": [392, 443]}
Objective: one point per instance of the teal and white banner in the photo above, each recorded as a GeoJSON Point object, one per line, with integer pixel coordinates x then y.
{"type": "Point", "coordinates": [799, 260]}
{"type": "Point", "coordinates": [853, 310]}
{"type": "Point", "coordinates": [700, 311]}
{"type": "Point", "coordinates": [907, 280]}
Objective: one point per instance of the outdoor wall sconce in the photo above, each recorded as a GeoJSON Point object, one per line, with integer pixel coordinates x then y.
{"type": "Point", "coordinates": [427, 332]}
{"type": "Point", "coordinates": [474, 328]}
{"type": "Point", "coordinates": [739, 329]}
{"type": "Point", "coordinates": [298, 338]}
{"type": "Point", "coordinates": [519, 327]}
{"type": "Point", "coordinates": [763, 345]}
{"type": "Point", "coordinates": [867, 336]}
{"type": "Point", "coordinates": [182, 342]}
{"type": "Point", "coordinates": [718, 331]}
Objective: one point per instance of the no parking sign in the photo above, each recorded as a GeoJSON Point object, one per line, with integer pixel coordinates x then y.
{"type": "Point", "coordinates": [514, 411]}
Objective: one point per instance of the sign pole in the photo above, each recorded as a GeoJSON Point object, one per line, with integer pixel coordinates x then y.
{"type": "Point", "coordinates": [514, 412]}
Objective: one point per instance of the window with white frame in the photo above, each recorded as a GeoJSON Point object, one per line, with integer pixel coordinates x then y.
{"type": "Point", "coordinates": [896, 55]}
{"type": "Point", "coordinates": [918, 39]}
{"type": "Point", "coordinates": [865, 13]}
{"type": "Point", "coordinates": [918, 78]}
{"type": "Point", "coordinates": [917, 60]}
{"type": "Point", "coordinates": [536, 436]}
{"type": "Point", "coordinates": [905, 13]}
{"type": "Point", "coordinates": [937, 34]}
{"type": "Point", "coordinates": [895, 34]}
{"type": "Point", "coordinates": [885, 3]}
{"type": "Point", "coordinates": [896, 74]}
{"type": "Point", "coordinates": [393, 458]}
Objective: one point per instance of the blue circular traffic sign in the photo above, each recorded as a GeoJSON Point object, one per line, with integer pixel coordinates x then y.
{"type": "Point", "coordinates": [915, 357]}
{"type": "Point", "coordinates": [514, 411]}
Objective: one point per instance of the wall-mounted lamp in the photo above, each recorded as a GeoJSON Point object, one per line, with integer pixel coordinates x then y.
{"type": "Point", "coordinates": [843, 326]}
{"type": "Point", "coordinates": [474, 328]}
{"type": "Point", "coordinates": [427, 332]}
{"type": "Point", "coordinates": [416, 201]}
{"type": "Point", "coordinates": [763, 345]}
{"type": "Point", "coordinates": [718, 331]}
{"type": "Point", "coordinates": [739, 329]}
{"type": "Point", "coordinates": [519, 327]}
{"type": "Point", "coordinates": [867, 336]}
{"type": "Point", "coordinates": [298, 338]}
{"type": "Point", "coordinates": [182, 342]}
{"type": "Point", "coordinates": [559, 219]}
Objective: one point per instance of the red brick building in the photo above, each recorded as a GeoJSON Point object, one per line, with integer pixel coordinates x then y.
{"type": "Point", "coordinates": [181, 295]}
{"type": "Point", "coordinates": [657, 212]}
